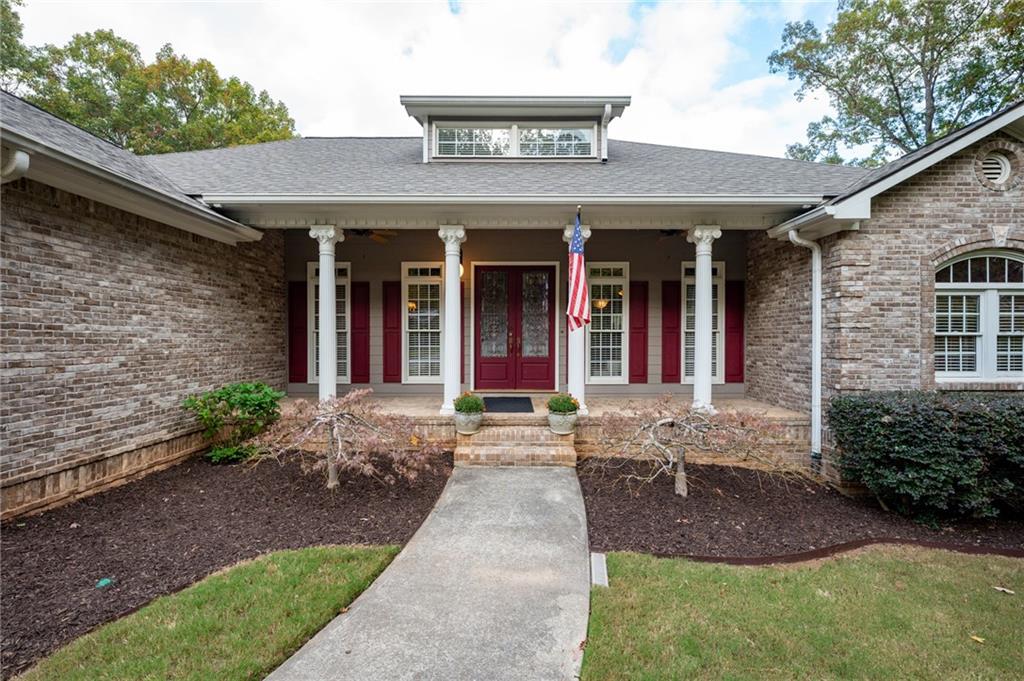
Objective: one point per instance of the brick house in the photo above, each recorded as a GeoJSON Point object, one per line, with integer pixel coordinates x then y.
{"type": "Point", "coordinates": [426, 266]}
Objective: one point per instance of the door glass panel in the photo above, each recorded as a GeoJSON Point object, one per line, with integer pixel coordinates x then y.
{"type": "Point", "coordinates": [536, 318]}
{"type": "Point", "coordinates": [493, 314]}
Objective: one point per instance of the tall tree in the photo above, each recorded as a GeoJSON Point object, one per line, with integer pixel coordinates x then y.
{"type": "Point", "coordinates": [901, 73]}
{"type": "Point", "coordinates": [16, 61]}
{"type": "Point", "coordinates": [100, 82]}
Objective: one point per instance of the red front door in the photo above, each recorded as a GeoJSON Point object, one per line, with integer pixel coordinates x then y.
{"type": "Point", "coordinates": [514, 334]}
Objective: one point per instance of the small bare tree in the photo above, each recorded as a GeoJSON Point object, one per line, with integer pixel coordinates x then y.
{"type": "Point", "coordinates": [661, 434]}
{"type": "Point", "coordinates": [349, 434]}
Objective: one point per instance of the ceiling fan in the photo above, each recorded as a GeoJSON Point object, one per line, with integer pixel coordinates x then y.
{"type": "Point", "coordinates": [381, 236]}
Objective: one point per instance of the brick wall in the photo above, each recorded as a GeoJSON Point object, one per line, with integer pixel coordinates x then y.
{"type": "Point", "coordinates": [880, 279]}
{"type": "Point", "coordinates": [778, 322]}
{"type": "Point", "coordinates": [110, 320]}
{"type": "Point", "coordinates": [878, 285]}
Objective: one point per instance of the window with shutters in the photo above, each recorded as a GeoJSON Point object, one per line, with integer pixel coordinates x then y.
{"type": "Point", "coordinates": [979, 318]}
{"type": "Point", "coordinates": [689, 317]}
{"type": "Point", "coordinates": [607, 333]}
{"type": "Point", "coordinates": [422, 297]}
{"type": "Point", "coordinates": [342, 314]}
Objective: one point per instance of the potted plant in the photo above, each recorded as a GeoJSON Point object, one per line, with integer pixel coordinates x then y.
{"type": "Point", "coordinates": [469, 413]}
{"type": "Point", "coordinates": [562, 414]}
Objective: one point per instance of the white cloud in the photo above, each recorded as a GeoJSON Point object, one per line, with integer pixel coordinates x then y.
{"type": "Point", "coordinates": [340, 67]}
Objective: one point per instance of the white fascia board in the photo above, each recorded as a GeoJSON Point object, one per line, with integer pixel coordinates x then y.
{"type": "Point", "coordinates": [484, 199]}
{"type": "Point", "coordinates": [419, 107]}
{"type": "Point", "coordinates": [167, 209]}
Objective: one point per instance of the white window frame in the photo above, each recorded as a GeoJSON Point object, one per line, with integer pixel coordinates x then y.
{"type": "Point", "coordinates": [718, 377]}
{"type": "Point", "coordinates": [406, 280]}
{"type": "Point", "coordinates": [513, 128]}
{"type": "Point", "coordinates": [623, 379]}
{"type": "Point", "coordinates": [312, 282]}
{"type": "Point", "coordinates": [988, 322]}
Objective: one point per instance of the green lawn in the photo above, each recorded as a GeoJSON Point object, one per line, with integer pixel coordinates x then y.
{"type": "Point", "coordinates": [880, 614]}
{"type": "Point", "coordinates": [237, 624]}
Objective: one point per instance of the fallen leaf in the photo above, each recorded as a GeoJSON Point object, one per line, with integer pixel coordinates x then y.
{"type": "Point", "coordinates": [977, 638]}
{"type": "Point", "coordinates": [1004, 590]}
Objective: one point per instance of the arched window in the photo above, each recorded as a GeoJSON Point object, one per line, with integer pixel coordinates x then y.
{"type": "Point", "coordinates": [979, 317]}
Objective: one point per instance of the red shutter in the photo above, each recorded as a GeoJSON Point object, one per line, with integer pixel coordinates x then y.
{"type": "Point", "coordinates": [360, 332]}
{"type": "Point", "coordinates": [734, 332]}
{"type": "Point", "coordinates": [638, 332]}
{"type": "Point", "coordinates": [671, 328]}
{"type": "Point", "coordinates": [392, 323]}
{"type": "Point", "coordinates": [297, 335]}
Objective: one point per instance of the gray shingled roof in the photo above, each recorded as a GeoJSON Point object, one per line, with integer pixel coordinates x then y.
{"type": "Point", "coordinates": [21, 118]}
{"type": "Point", "coordinates": [393, 165]}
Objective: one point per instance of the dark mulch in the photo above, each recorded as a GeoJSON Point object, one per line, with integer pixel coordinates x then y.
{"type": "Point", "coordinates": [736, 512]}
{"type": "Point", "coordinates": [158, 535]}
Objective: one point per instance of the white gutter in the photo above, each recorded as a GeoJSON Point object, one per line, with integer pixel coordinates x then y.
{"type": "Point", "coordinates": [568, 199]}
{"type": "Point", "coordinates": [815, 249]}
{"type": "Point", "coordinates": [15, 167]}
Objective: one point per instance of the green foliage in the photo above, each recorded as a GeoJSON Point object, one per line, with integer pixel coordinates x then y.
{"type": "Point", "coordinates": [931, 454]}
{"type": "Point", "coordinates": [468, 403]}
{"type": "Point", "coordinates": [246, 409]}
{"type": "Point", "coordinates": [16, 62]}
{"type": "Point", "coordinates": [902, 73]}
{"type": "Point", "coordinates": [562, 404]}
{"type": "Point", "coordinates": [100, 82]}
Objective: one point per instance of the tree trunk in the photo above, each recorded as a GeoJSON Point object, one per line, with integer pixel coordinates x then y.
{"type": "Point", "coordinates": [681, 487]}
{"type": "Point", "coordinates": [332, 460]}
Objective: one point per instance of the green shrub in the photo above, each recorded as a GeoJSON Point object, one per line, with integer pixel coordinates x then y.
{"type": "Point", "coordinates": [245, 408]}
{"type": "Point", "coordinates": [932, 454]}
{"type": "Point", "coordinates": [562, 404]}
{"type": "Point", "coordinates": [468, 403]}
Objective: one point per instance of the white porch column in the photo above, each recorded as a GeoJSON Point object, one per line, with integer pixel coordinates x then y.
{"type": "Point", "coordinates": [452, 236]}
{"type": "Point", "coordinates": [576, 362]}
{"type": "Point", "coordinates": [702, 236]}
{"type": "Point", "coordinates": [327, 236]}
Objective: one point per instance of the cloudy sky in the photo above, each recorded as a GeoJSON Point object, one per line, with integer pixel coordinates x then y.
{"type": "Point", "coordinates": [696, 70]}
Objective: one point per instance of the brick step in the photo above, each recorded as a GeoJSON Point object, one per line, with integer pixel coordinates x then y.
{"type": "Point", "coordinates": [530, 434]}
{"type": "Point", "coordinates": [515, 455]}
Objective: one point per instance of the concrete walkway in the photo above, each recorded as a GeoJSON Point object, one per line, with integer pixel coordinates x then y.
{"type": "Point", "coordinates": [494, 585]}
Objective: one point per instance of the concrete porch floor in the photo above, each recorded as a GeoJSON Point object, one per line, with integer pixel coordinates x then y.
{"type": "Point", "coordinates": [426, 406]}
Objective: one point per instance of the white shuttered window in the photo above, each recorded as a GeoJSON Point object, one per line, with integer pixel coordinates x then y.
{"type": "Point", "coordinates": [342, 308]}
{"type": "Point", "coordinates": [422, 297]}
{"type": "Point", "coordinates": [979, 318]}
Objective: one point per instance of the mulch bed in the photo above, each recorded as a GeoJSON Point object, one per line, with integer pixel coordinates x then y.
{"type": "Point", "coordinates": [743, 514]}
{"type": "Point", "coordinates": [170, 529]}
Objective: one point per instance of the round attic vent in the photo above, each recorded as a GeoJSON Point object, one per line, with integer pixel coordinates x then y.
{"type": "Point", "coordinates": [996, 168]}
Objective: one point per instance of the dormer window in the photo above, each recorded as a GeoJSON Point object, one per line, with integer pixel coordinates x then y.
{"type": "Point", "coordinates": [514, 128]}
{"type": "Point", "coordinates": [516, 140]}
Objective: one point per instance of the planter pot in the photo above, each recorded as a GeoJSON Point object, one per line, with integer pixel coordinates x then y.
{"type": "Point", "coordinates": [562, 424]}
{"type": "Point", "coordinates": [468, 423]}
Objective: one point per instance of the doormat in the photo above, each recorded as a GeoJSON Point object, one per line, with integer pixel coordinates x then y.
{"type": "Point", "coordinates": [508, 405]}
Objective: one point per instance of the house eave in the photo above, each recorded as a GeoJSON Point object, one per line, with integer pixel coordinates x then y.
{"type": "Point", "coordinates": [421, 107]}
{"type": "Point", "coordinates": [772, 200]}
{"type": "Point", "coordinates": [70, 173]}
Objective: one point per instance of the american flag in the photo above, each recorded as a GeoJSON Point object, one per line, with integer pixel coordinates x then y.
{"type": "Point", "coordinates": [579, 294]}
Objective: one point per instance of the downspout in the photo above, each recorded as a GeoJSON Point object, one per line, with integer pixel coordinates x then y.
{"type": "Point", "coordinates": [815, 343]}
{"type": "Point", "coordinates": [605, 119]}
